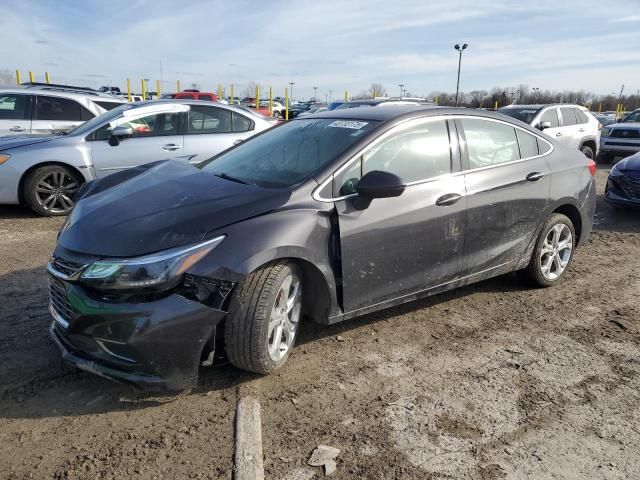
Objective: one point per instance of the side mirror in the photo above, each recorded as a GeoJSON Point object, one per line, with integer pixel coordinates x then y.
{"type": "Point", "coordinates": [544, 125]}
{"type": "Point", "coordinates": [378, 184]}
{"type": "Point", "coordinates": [619, 120]}
{"type": "Point", "coordinates": [119, 132]}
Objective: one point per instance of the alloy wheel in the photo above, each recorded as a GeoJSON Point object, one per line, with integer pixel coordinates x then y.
{"type": "Point", "coordinates": [556, 251]}
{"type": "Point", "coordinates": [284, 319]}
{"type": "Point", "coordinates": [55, 191]}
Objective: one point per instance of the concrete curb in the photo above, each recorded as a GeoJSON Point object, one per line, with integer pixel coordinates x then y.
{"type": "Point", "coordinates": [248, 464]}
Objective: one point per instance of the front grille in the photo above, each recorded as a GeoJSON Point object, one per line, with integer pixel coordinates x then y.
{"type": "Point", "coordinates": [59, 300]}
{"type": "Point", "coordinates": [630, 186]}
{"type": "Point", "coordinates": [624, 133]}
{"type": "Point", "coordinates": [65, 267]}
{"type": "Point", "coordinates": [623, 144]}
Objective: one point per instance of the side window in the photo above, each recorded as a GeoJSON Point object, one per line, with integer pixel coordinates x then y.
{"type": "Point", "coordinates": [85, 114]}
{"type": "Point", "coordinates": [581, 116]}
{"type": "Point", "coordinates": [489, 143]}
{"type": "Point", "coordinates": [568, 116]}
{"type": "Point", "coordinates": [156, 125]}
{"type": "Point", "coordinates": [208, 120]}
{"type": "Point", "coordinates": [528, 144]}
{"type": "Point", "coordinates": [551, 116]}
{"type": "Point", "coordinates": [344, 182]}
{"type": "Point", "coordinates": [13, 107]}
{"type": "Point", "coordinates": [57, 108]}
{"type": "Point", "coordinates": [241, 123]}
{"type": "Point", "coordinates": [543, 147]}
{"type": "Point", "coordinates": [206, 97]}
{"type": "Point", "coordinates": [416, 153]}
{"type": "Point", "coordinates": [108, 105]}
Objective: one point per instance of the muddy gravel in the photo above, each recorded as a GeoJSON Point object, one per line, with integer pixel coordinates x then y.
{"type": "Point", "coordinates": [496, 380]}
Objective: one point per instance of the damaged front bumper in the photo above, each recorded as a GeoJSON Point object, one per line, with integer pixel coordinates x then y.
{"type": "Point", "coordinates": [154, 344]}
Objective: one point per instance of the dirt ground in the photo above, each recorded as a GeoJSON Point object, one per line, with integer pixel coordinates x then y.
{"type": "Point", "coordinates": [496, 380]}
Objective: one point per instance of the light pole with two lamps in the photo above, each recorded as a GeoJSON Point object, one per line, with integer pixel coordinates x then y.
{"type": "Point", "coordinates": [460, 49]}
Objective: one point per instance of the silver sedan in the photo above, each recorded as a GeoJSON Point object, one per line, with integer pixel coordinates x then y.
{"type": "Point", "coordinates": [45, 172]}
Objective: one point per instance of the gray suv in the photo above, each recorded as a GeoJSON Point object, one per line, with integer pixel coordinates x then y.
{"type": "Point", "coordinates": [45, 172]}
{"type": "Point", "coordinates": [571, 125]}
{"type": "Point", "coordinates": [37, 109]}
{"type": "Point", "coordinates": [621, 139]}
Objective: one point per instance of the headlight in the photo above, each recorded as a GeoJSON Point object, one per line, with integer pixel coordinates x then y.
{"type": "Point", "coordinates": [4, 158]}
{"type": "Point", "coordinates": [157, 272]}
{"type": "Point", "coordinates": [605, 131]}
{"type": "Point", "coordinates": [614, 172]}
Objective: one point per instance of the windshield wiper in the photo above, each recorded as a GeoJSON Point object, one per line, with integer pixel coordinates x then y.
{"type": "Point", "coordinates": [233, 179]}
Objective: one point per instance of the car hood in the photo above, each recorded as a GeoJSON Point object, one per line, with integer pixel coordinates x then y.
{"type": "Point", "coordinates": [15, 141]}
{"type": "Point", "coordinates": [628, 125]}
{"type": "Point", "coordinates": [158, 206]}
{"type": "Point", "coordinates": [629, 164]}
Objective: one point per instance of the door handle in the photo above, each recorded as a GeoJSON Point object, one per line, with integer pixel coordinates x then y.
{"type": "Point", "coordinates": [581, 130]}
{"type": "Point", "coordinates": [535, 176]}
{"type": "Point", "coordinates": [17, 128]}
{"type": "Point", "coordinates": [559, 134]}
{"type": "Point", "coordinates": [448, 199]}
{"type": "Point", "coordinates": [240, 140]}
{"type": "Point", "coordinates": [170, 147]}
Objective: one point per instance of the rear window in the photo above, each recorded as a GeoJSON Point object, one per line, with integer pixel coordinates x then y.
{"type": "Point", "coordinates": [57, 108]}
{"type": "Point", "coordinates": [525, 115]}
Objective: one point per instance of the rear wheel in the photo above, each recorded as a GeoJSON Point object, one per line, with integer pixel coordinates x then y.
{"type": "Point", "coordinates": [553, 252]}
{"type": "Point", "coordinates": [605, 157]}
{"type": "Point", "coordinates": [276, 114]}
{"type": "Point", "coordinates": [50, 190]}
{"type": "Point", "coordinates": [588, 152]}
{"type": "Point", "coordinates": [264, 316]}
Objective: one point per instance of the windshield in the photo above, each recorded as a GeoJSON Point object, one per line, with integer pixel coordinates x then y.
{"type": "Point", "coordinates": [89, 126]}
{"type": "Point", "coordinates": [632, 117]}
{"type": "Point", "coordinates": [525, 115]}
{"type": "Point", "coordinates": [288, 154]}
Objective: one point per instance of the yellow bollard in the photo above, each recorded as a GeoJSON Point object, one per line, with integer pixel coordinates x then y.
{"type": "Point", "coordinates": [286, 103]}
{"type": "Point", "coordinates": [158, 87]}
{"type": "Point", "coordinates": [437, 99]}
{"type": "Point", "coordinates": [495, 105]}
{"type": "Point", "coordinates": [600, 107]}
{"type": "Point", "coordinates": [144, 90]}
{"type": "Point", "coordinates": [219, 91]}
{"type": "Point", "coordinates": [270, 102]}
{"type": "Point", "coordinates": [18, 79]}
{"type": "Point", "coordinates": [257, 97]}
{"type": "Point", "coordinates": [177, 85]}
{"type": "Point", "coordinates": [128, 90]}
{"type": "Point", "coordinates": [346, 96]}
{"type": "Point", "coordinates": [46, 77]}
{"type": "Point", "coordinates": [232, 99]}
{"type": "Point", "coordinates": [31, 76]}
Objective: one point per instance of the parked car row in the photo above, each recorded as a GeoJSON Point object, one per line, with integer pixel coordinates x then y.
{"type": "Point", "coordinates": [324, 216]}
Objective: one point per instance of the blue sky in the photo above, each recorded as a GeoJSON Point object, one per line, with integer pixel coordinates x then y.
{"type": "Point", "coordinates": [332, 44]}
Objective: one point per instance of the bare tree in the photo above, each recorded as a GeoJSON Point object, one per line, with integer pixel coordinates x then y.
{"type": "Point", "coordinates": [250, 89]}
{"type": "Point", "coordinates": [7, 77]}
{"type": "Point", "coordinates": [377, 90]}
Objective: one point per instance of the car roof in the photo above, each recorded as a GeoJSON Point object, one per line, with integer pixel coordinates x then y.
{"type": "Point", "coordinates": [191, 101]}
{"type": "Point", "coordinates": [381, 114]}
{"type": "Point", "coordinates": [543, 105]}
{"type": "Point", "coordinates": [61, 92]}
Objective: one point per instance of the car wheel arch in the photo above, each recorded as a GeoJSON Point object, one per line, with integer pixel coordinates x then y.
{"type": "Point", "coordinates": [572, 212]}
{"type": "Point", "coordinates": [32, 168]}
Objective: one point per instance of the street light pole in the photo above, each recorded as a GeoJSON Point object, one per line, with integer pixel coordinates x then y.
{"type": "Point", "coordinates": [401, 85]}
{"type": "Point", "coordinates": [330, 95]}
{"type": "Point", "coordinates": [315, 94]}
{"type": "Point", "coordinates": [460, 50]}
{"type": "Point", "coordinates": [292, 84]}
{"type": "Point", "coordinates": [535, 93]}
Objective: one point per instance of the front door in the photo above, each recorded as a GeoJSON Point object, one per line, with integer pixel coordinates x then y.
{"type": "Point", "coordinates": [395, 247]}
{"type": "Point", "coordinates": [507, 184]}
{"type": "Point", "coordinates": [15, 114]}
{"type": "Point", "coordinates": [156, 136]}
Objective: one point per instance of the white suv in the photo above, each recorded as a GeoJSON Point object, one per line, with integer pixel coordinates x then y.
{"type": "Point", "coordinates": [572, 125]}
{"type": "Point", "coordinates": [44, 109]}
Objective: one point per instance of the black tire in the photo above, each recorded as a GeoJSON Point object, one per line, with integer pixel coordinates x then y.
{"type": "Point", "coordinates": [246, 330]}
{"type": "Point", "coordinates": [534, 271]}
{"type": "Point", "coordinates": [605, 157]}
{"type": "Point", "coordinates": [36, 195]}
{"type": "Point", "coordinates": [276, 114]}
{"type": "Point", "coordinates": [588, 152]}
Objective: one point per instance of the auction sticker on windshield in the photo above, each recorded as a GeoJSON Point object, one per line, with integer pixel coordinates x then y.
{"type": "Point", "coordinates": [348, 124]}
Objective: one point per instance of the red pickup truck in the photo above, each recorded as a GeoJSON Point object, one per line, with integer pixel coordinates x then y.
{"type": "Point", "coordinates": [211, 97]}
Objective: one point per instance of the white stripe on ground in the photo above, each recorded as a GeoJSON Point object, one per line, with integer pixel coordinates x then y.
{"type": "Point", "coordinates": [248, 464]}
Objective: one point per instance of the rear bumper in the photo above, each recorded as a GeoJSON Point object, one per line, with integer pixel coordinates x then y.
{"type": "Point", "coordinates": [156, 345]}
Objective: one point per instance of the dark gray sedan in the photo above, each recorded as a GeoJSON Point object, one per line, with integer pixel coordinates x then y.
{"type": "Point", "coordinates": [329, 217]}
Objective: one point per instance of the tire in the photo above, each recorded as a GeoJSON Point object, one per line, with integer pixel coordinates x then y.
{"type": "Point", "coordinates": [605, 157]}
{"type": "Point", "coordinates": [276, 114]}
{"type": "Point", "coordinates": [561, 258]}
{"type": "Point", "coordinates": [62, 183]}
{"type": "Point", "coordinates": [588, 152]}
{"type": "Point", "coordinates": [251, 328]}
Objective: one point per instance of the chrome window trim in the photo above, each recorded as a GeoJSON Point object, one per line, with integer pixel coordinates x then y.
{"type": "Point", "coordinates": [316, 192]}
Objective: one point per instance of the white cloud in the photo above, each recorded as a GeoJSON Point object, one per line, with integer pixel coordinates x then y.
{"type": "Point", "coordinates": [630, 18]}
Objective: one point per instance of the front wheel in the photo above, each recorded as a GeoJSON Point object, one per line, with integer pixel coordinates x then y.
{"type": "Point", "coordinates": [553, 252]}
{"type": "Point", "coordinates": [264, 317]}
{"type": "Point", "coordinates": [588, 152]}
{"type": "Point", "coordinates": [276, 114]}
{"type": "Point", "coordinates": [50, 190]}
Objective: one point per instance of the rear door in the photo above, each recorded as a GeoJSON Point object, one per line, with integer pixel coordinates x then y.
{"type": "Point", "coordinates": [395, 247]}
{"type": "Point", "coordinates": [507, 183]}
{"type": "Point", "coordinates": [157, 136]}
{"type": "Point", "coordinates": [57, 114]}
{"type": "Point", "coordinates": [556, 131]}
{"type": "Point", "coordinates": [210, 130]}
{"type": "Point", "coordinates": [570, 126]}
{"type": "Point", "coordinates": [15, 113]}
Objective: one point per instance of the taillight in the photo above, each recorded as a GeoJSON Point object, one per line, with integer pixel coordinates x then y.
{"type": "Point", "coordinates": [592, 167]}
{"type": "Point", "coordinates": [599, 126]}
